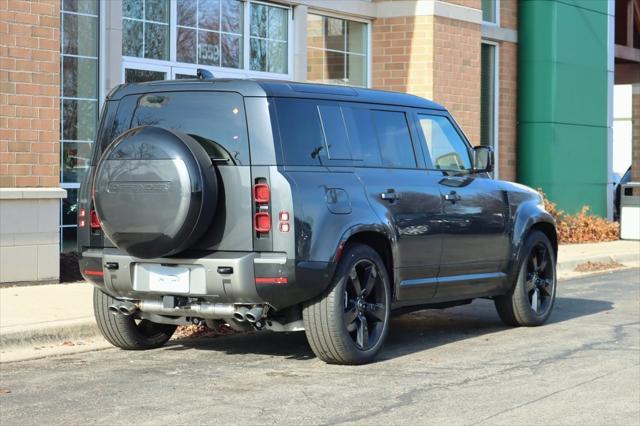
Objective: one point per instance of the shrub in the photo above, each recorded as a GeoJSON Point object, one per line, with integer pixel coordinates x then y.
{"type": "Point", "coordinates": [581, 227]}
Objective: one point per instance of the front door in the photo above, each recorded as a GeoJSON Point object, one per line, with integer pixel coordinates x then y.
{"type": "Point", "coordinates": [475, 213]}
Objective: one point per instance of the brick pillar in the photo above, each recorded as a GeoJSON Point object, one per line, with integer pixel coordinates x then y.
{"type": "Point", "coordinates": [29, 140]}
{"type": "Point", "coordinates": [29, 99]}
{"type": "Point", "coordinates": [434, 57]}
{"type": "Point", "coordinates": [456, 78]}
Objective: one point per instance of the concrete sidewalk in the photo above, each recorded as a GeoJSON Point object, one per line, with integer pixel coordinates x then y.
{"type": "Point", "coordinates": [622, 251]}
{"type": "Point", "coordinates": [43, 314]}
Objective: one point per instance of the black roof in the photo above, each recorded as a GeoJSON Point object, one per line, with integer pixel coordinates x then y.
{"type": "Point", "coordinates": [277, 88]}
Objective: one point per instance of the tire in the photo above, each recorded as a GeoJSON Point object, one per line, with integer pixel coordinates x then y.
{"type": "Point", "coordinates": [347, 326]}
{"type": "Point", "coordinates": [530, 300]}
{"type": "Point", "coordinates": [123, 331]}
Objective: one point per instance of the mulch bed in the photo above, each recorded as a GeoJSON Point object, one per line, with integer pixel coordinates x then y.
{"type": "Point", "coordinates": [69, 268]}
{"type": "Point", "coordinates": [597, 266]}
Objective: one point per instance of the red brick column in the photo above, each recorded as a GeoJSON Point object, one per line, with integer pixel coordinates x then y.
{"type": "Point", "coordinates": [29, 99]}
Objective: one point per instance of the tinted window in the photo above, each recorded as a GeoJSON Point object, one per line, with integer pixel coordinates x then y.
{"type": "Point", "coordinates": [362, 135]}
{"type": "Point", "coordinates": [394, 139]}
{"type": "Point", "coordinates": [447, 149]}
{"type": "Point", "coordinates": [215, 119]}
{"type": "Point", "coordinates": [335, 133]}
{"type": "Point", "coordinates": [300, 133]}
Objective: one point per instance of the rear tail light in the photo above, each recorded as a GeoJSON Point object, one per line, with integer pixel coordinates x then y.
{"type": "Point", "coordinates": [261, 193]}
{"type": "Point", "coordinates": [95, 220]}
{"type": "Point", "coordinates": [262, 222]}
{"type": "Point", "coordinates": [262, 199]}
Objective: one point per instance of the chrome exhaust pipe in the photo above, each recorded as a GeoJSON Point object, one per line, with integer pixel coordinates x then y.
{"type": "Point", "coordinates": [125, 308]}
{"type": "Point", "coordinates": [255, 314]}
{"type": "Point", "coordinates": [240, 314]}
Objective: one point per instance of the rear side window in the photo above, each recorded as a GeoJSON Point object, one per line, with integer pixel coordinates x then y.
{"type": "Point", "coordinates": [215, 119]}
{"type": "Point", "coordinates": [313, 133]}
{"type": "Point", "coordinates": [394, 139]}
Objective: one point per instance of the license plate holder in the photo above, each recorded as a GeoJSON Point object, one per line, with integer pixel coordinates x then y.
{"type": "Point", "coordinates": [168, 279]}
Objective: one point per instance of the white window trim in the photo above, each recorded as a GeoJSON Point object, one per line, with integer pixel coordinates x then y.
{"type": "Point", "coordinates": [368, 54]}
{"type": "Point", "coordinates": [497, 21]}
{"type": "Point", "coordinates": [496, 107]}
{"type": "Point", "coordinates": [172, 66]}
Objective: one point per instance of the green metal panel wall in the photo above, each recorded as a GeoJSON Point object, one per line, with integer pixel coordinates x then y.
{"type": "Point", "coordinates": [562, 101]}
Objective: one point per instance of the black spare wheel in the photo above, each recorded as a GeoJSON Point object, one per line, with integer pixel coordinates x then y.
{"type": "Point", "coordinates": [155, 192]}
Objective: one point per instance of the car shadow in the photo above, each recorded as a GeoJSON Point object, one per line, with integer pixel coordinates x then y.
{"type": "Point", "coordinates": [410, 333]}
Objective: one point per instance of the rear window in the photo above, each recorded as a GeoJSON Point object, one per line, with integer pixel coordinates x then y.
{"type": "Point", "coordinates": [215, 119]}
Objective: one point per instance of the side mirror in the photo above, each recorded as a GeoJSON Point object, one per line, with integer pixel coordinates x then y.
{"type": "Point", "coordinates": [483, 159]}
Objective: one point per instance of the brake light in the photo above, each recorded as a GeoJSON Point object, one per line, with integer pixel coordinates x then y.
{"type": "Point", "coordinates": [261, 193]}
{"type": "Point", "coordinates": [94, 220]}
{"type": "Point", "coordinates": [81, 218]}
{"type": "Point", "coordinates": [262, 222]}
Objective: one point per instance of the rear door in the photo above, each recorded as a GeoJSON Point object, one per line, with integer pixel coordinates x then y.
{"type": "Point", "coordinates": [402, 193]}
{"type": "Point", "coordinates": [475, 213]}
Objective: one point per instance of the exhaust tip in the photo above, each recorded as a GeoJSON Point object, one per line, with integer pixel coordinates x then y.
{"type": "Point", "coordinates": [254, 315]}
{"type": "Point", "coordinates": [124, 311]}
{"type": "Point", "coordinates": [114, 310]}
{"type": "Point", "coordinates": [240, 314]}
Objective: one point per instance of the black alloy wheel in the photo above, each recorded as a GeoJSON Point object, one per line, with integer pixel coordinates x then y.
{"type": "Point", "coordinates": [539, 281]}
{"type": "Point", "coordinates": [365, 312]}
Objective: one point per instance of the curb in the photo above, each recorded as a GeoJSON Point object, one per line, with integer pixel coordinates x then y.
{"type": "Point", "coordinates": [570, 265]}
{"type": "Point", "coordinates": [58, 331]}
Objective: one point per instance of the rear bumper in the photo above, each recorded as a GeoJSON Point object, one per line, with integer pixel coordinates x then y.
{"type": "Point", "coordinates": [219, 277]}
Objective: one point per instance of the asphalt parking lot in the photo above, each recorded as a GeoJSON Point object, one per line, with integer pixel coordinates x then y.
{"type": "Point", "coordinates": [458, 366]}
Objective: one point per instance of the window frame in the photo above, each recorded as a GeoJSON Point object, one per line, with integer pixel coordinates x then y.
{"type": "Point", "coordinates": [218, 71]}
{"type": "Point", "coordinates": [496, 106]}
{"type": "Point", "coordinates": [423, 142]}
{"type": "Point", "coordinates": [369, 45]}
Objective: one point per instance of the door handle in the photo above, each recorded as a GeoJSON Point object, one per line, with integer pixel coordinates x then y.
{"type": "Point", "coordinates": [452, 196]}
{"type": "Point", "coordinates": [390, 195]}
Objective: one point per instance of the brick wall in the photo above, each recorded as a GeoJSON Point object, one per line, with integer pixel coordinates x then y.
{"type": "Point", "coordinates": [635, 156]}
{"type": "Point", "coordinates": [509, 14]}
{"type": "Point", "coordinates": [402, 55]}
{"type": "Point", "coordinates": [508, 116]}
{"type": "Point", "coordinates": [456, 82]}
{"type": "Point", "coordinates": [433, 57]}
{"type": "Point", "coordinates": [29, 99]}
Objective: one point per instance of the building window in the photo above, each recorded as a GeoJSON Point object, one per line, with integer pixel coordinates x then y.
{"type": "Point", "coordinates": [268, 43]}
{"type": "Point", "coordinates": [336, 51]}
{"type": "Point", "coordinates": [210, 32]}
{"type": "Point", "coordinates": [230, 37]}
{"type": "Point", "coordinates": [78, 103]}
{"type": "Point", "coordinates": [491, 11]}
{"type": "Point", "coordinates": [145, 28]}
{"type": "Point", "coordinates": [489, 96]}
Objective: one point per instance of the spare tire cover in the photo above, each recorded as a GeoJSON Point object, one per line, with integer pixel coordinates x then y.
{"type": "Point", "coordinates": [155, 192]}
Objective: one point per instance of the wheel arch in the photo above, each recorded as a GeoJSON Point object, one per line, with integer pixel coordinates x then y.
{"type": "Point", "coordinates": [377, 239]}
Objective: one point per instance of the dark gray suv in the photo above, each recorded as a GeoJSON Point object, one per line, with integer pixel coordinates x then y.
{"type": "Point", "coordinates": [288, 206]}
